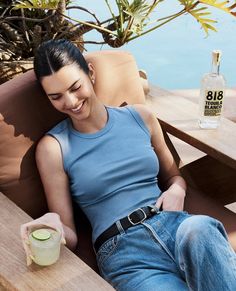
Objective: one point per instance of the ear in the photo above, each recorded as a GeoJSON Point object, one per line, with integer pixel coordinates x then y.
{"type": "Point", "coordinates": [92, 73]}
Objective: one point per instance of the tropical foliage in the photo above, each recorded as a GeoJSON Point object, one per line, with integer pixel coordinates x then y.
{"type": "Point", "coordinates": [23, 29]}
{"type": "Point", "coordinates": [25, 24]}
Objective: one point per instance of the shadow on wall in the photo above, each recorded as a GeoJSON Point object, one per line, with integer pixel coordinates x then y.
{"type": "Point", "coordinates": [25, 115]}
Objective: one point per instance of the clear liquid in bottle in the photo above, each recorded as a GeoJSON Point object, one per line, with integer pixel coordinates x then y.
{"type": "Point", "coordinates": [212, 95]}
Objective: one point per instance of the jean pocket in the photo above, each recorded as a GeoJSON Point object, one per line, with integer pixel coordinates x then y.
{"type": "Point", "coordinates": [107, 249]}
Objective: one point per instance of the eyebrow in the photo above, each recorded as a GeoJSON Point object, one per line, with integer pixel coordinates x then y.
{"type": "Point", "coordinates": [52, 94]}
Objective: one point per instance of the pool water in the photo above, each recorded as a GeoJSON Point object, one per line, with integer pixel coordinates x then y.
{"type": "Point", "coordinates": [176, 55]}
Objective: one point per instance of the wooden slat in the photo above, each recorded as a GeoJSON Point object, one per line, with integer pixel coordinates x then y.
{"type": "Point", "coordinates": [69, 273]}
{"type": "Point", "coordinates": [179, 117]}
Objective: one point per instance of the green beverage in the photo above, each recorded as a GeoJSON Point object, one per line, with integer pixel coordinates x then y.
{"type": "Point", "coordinates": [45, 246]}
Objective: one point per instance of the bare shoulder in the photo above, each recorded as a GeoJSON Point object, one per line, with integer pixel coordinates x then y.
{"type": "Point", "coordinates": [147, 115]}
{"type": "Point", "coordinates": [143, 110]}
{"type": "Point", "coordinates": [48, 151]}
{"type": "Point", "coordinates": [47, 145]}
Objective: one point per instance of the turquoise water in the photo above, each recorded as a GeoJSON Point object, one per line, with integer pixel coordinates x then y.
{"type": "Point", "coordinates": [178, 54]}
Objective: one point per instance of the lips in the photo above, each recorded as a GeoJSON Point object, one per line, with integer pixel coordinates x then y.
{"type": "Point", "coordinates": [78, 108]}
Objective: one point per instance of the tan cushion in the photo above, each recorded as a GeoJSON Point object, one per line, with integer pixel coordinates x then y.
{"type": "Point", "coordinates": [117, 77]}
{"type": "Point", "coordinates": [26, 114]}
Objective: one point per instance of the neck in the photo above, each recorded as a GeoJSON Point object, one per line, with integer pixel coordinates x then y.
{"type": "Point", "coordinates": [96, 120]}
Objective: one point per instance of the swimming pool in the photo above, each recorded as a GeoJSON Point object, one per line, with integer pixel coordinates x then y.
{"type": "Point", "coordinates": [178, 54]}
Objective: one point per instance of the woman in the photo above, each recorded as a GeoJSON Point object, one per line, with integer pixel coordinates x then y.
{"type": "Point", "coordinates": [107, 159]}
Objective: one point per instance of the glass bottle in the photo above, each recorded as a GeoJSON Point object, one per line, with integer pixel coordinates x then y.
{"type": "Point", "coordinates": [45, 246]}
{"type": "Point", "coordinates": [212, 95]}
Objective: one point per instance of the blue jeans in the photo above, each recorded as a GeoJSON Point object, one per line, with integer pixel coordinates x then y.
{"type": "Point", "coordinates": [170, 251]}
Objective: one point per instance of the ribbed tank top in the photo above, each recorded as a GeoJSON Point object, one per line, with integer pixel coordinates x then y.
{"type": "Point", "coordinates": [113, 171]}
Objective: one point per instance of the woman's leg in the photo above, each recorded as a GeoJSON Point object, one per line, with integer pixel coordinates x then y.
{"type": "Point", "coordinates": [205, 255]}
{"type": "Point", "coordinates": [142, 257]}
{"type": "Point", "coordinates": [153, 281]}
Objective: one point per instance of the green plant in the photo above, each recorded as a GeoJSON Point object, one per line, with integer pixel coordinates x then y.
{"type": "Point", "coordinates": [25, 24]}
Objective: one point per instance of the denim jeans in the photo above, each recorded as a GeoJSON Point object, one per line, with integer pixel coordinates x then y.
{"type": "Point", "coordinates": [170, 251]}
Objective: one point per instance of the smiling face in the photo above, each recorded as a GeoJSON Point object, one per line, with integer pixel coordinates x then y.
{"type": "Point", "coordinates": [70, 90]}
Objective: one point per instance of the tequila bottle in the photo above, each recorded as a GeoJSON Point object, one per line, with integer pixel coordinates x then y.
{"type": "Point", "coordinates": [212, 95]}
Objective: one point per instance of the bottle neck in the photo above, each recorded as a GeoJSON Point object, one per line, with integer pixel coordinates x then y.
{"type": "Point", "coordinates": [216, 56]}
{"type": "Point", "coordinates": [215, 68]}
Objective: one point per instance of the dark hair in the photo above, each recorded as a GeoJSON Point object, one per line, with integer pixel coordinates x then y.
{"type": "Point", "coordinates": [52, 55]}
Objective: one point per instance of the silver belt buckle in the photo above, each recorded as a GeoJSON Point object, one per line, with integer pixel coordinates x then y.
{"type": "Point", "coordinates": [140, 221]}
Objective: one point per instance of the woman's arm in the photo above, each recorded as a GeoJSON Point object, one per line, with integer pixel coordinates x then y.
{"type": "Point", "coordinates": [170, 179]}
{"type": "Point", "coordinates": [56, 186]}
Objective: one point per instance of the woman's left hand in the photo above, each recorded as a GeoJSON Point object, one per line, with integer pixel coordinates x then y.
{"type": "Point", "coordinates": [172, 199]}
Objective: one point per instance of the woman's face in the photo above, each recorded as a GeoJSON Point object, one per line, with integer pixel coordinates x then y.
{"type": "Point", "coordinates": [70, 90]}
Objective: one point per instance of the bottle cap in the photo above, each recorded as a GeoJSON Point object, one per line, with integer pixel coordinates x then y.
{"type": "Point", "coordinates": [41, 234]}
{"type": "Point", "coordinates": [216, 56]}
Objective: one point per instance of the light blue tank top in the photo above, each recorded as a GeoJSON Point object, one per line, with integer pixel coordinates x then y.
{"type": "Point", "coordinates": [113, 171]}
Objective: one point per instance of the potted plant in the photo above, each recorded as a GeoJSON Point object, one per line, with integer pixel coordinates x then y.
{"type": "Point", "coordinates": [22, 30]}
{"type": "Point", "coordinates": [25, 24]}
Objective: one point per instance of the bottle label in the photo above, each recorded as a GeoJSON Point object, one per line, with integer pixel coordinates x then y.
{"type": "Point", "coordinates": [213, 102]}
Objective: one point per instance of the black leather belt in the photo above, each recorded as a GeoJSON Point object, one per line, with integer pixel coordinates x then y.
{"type": "Point", "coordinates": [134, 218]}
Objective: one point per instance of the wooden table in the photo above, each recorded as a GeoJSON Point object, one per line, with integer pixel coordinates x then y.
{"type": "Point", "coordinates": [69, 273]}
{"type": "Point", "coordinates": [179, 117]}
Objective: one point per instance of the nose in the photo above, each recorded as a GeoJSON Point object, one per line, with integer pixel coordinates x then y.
{"type": "Point", "coordinates": [70, 101]}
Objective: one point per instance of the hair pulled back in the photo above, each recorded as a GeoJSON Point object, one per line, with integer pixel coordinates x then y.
{"type": "Point", "coordinates": [52, 55]}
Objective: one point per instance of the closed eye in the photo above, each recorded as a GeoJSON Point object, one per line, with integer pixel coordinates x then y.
{"type": "Point", "coordinates": [75, 89]}
{"type": "Point", "coordinates": [56, 97]}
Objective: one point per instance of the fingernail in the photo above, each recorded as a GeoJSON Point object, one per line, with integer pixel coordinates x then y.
{"type": "Point", "coordinates": [28, 261]}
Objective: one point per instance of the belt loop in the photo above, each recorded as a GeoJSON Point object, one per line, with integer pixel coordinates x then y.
{"type": "Point", "coordinates": [119, 227]}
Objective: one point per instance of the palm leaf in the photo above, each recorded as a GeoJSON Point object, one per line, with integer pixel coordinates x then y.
{"type": "Point", "coordinates": [200, 14]}
{"type": "Point", "coordinates": [137, 11]}
{"type": "Point", "coordinates": [217, 4]}
{"type": "Point", "coordinates": [200, 17]}
{"type": "Point", "coordinates": [35, 4]}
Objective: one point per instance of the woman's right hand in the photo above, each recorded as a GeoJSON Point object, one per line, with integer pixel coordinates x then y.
{"type": "Point", "coordinates": [50, 220]}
